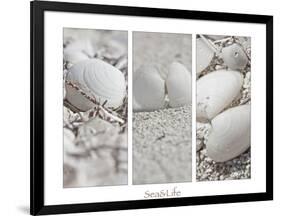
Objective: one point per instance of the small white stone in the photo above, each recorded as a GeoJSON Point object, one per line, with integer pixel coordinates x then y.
{"type": "Point", "coordinates": [234, 57]}
{"type": "Point", "coordinates": [204, 55]}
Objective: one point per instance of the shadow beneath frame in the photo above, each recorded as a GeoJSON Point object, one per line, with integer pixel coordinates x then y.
{"type": "Point", "coordinates": [24, 209]}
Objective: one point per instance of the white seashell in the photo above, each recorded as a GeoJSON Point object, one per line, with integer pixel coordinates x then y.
{"type": "Point", "coordinates": [234, 57]}
{"type": "Point", "coordinates": [162, 70]}
{"type": "Point", "coordinates": [204, 56]}
{"type": "Point", "coordinates": [148, 89]}
{"type": "Point", "coordinates": [78, 50]}
{"type": "Point", "coordinates": [97, 79]}
{"type": "Point", "coordinates": [230, 135]}
{"type": "Point", "coordinates": [215, 91]}
{"type": "Point", "coordinates": [178, 84]}
{"type": "Point", "coordinates": [136, 106]}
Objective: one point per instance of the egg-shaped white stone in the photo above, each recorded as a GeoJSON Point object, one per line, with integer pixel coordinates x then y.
{"type": "Point", "coordinates": [215, 91]}
{"type": "Point", "coordinates": [234, 57]}
{"type": "Point", "coordinates": [148, 89]}
{"type": "Point", "coordinates": [179, 85]}
{"type": "Point", "coordinates": [230, 134]}
{"type": "Point", "coordinates": [97, 79]}
{"type": "Point", "coordinates": [204, 55]}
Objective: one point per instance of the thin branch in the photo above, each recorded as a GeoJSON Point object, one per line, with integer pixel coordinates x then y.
{"type": "Point", "coordinates": [100, 107]}
{"type": "Point", "coordinates": [209, 44]}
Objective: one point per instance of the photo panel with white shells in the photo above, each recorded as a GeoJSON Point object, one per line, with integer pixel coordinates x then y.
{"type": "Point", "coordinates": [95, 64]}
{"type": "Point", "coordinates": [223, 107]}
{"type": "Point", "coordinates": [161, 125]}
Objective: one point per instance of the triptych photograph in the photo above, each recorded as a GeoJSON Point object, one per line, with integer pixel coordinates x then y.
{"type": "Point", "coordinates": [137, 108]}
{"type": "Point", "coordinates": [109, 105]}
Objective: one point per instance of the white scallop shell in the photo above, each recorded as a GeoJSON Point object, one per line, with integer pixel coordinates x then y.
{"type": "Point", "coordinates": [78, 50]}
{"type": "Point", "coordinates": [148, 89]}
{"type": "Point", "coordinates": [97, 79]}
{"type": "Point", "coordinates": [234, 57]}
{"type": "Point", "coordinates": [204, 56]}
{"type": "Point", "coordinates": [215, 91]}
{"type": "Point", "coordinates": [178, 84]}
{"type": "Point", "coordinates": [230, 134]}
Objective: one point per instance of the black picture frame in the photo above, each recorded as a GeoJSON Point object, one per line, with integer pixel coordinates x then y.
{"type": "Point", "coordinates": [37, 206]}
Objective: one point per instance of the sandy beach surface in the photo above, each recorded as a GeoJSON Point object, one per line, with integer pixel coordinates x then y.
{"type": "Point", "coordinates": [162, 146]}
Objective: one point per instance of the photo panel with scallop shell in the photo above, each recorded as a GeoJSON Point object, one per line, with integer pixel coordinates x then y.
{"type": "Point", "coordinates": [95, 68]}
{"type": "Point", "coordinates": [223, 107]}
{"type": "Point", "coordinates": [161, 125]}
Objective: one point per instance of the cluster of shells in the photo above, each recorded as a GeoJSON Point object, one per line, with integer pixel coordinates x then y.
{"type": "Point", "coordinates": [95, 108]}
{"type": "Point", "coordinates": [223, 96]}
{"type": "Point", "coordinates": [155, 87]}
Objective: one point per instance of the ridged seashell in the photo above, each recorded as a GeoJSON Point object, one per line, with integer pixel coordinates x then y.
{"type": "Point", "coordinates": [204, 56]}
{"type": "Point", "coordinates": [230, 134]}
{"type": "Point", "coordinates": [77, 51]}
{"type": "Point", "coordinates": [148, 89]}
{"type": "Point", "coordinates": [234, 57]}
{"type": "Point", "coordinates": [178, 84]}
{"type": "Point", "coordinates": [215, 91]}
{"type": "Point", "coordinates": [97, 79]}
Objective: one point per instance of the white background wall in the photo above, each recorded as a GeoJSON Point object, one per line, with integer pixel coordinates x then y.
{"type": "Point", "coordinates": [14, 106]}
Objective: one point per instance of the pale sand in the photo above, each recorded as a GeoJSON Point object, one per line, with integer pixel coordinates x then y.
{"type": "Point", "coordinates": [162, 146]}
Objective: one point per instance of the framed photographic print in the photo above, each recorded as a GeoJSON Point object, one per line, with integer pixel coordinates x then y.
{"type": "Point", "coordinates": [141, 107]}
